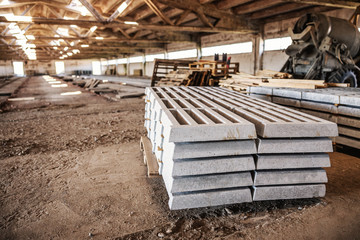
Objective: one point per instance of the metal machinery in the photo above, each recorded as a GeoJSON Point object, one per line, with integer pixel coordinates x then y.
{"type": "Point", "coordinates": [325, 48]}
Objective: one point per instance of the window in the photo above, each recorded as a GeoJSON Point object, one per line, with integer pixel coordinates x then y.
{"type": "Point", "coordinates": [18, 68]}
{"type": "Point", "coordinates": [245, 47]}
{"type": "Point", "coordinates": [136, 59]}
{"type": "Point", "coordinates": [96, 68]}
{"type": "Point", "coordinates": [122, 61]}
{"type": "Point", "coordinates": [151, 58]}
{"type": "Point", "coordinates": [183, 54]}
{"type": "Point", "coordinates": [277, 43]}
{"type": "Point", "coordinates": [59, 67]}
{"type": "Point", "coordinates": [112, 62]}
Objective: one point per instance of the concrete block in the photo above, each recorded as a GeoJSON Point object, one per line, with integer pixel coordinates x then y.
{"type": "Point", "coordinates": [287, 177]}
{"type": "Point", "coordinates": [349, 132]}
{"type": "Point", "coordinates": [261, 90]}
{"type": "Point", "coordinates": [351, 99]}
{"type": "Point", "coordinates": [286, 123]}
{"type": "Point", "coordinates": [209, 198]}
{"type": "Point", "coordinates": [292, 161]}
{"type": "Point", "coordinates": [206, 182]}
{"type": "Point", "coordinates": [347, 141]}
{"type": "Point", "coordinates": [288, 192]}
{"type": "Point", "coordinates": [306, 145]}
{"type": "Point", "coordinates": [200, 166]}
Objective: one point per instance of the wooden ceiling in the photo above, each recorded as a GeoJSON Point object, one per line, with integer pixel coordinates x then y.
{"type": "Point", "coordinates": [117, 28]}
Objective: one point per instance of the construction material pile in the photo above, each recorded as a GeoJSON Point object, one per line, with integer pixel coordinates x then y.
{"type": "Point", "coordinates": [217, 147]}
{"type": "Point", "coordinates": [267, 78]}
{"type": "Point", "coordinates": [339, 105]}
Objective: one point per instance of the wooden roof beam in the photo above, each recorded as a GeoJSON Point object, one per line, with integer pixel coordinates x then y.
{"type": "Point", "coordinates": [289, 7]}
{"type": "Point", "coordinates": [226, 4]}
{"type": "Point", "coordinates": [329, 3]}
{"type": "Point", "coordinates": [256, 6]}
{"type": "Point", "coordinates": [92, 10]}
{"type": "Point", "coordinates": [154, 6]}
{"type": "Point", "coordinates": [231, 28]}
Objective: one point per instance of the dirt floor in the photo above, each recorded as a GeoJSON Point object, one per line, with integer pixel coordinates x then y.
{"type": "Point", "coordinates": [71, 168]}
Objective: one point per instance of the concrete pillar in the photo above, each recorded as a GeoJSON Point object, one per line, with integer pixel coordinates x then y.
{"type": "Point", "coordinates": [198, 49]}
{"type": "Point", "coordinates": [127, 66]}
{"type": "Point", "coordinates": [144, 64]}
{"type": "Point", "coordinates": [258, 50]}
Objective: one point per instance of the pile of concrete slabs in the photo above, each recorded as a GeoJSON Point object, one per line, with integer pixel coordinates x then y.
{"type": "Point", "coordinates": [339, 105]}
{"type": "Point", "coordinates": [217, 147]}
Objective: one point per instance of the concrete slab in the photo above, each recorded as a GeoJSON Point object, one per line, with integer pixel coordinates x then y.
{"type": "Point", "coordinates": [347, 141]}
{"type": "Point", "coordinates": [348, 121]}
{"type": "Point", "coordinates": [206, 182]}
{"type": "Point", "coordinates": [349, 111]}
{"type": "Point", "coordinates": [209, 198]}
{"type": "Point", "coordinates": [292, 161]}
{"type": "Point", "coordinates": [288, 192]}
{"type": "Point", "coordinates": [199, 166]}
{"type": "Point", "coordinates": [306, 145]}
{"type": "Point", "coordinates": [317, 96]}
{"type": "Point", "coordinates": [324, 107]}
{"type": "Point", "coordinates": [263, 97]}
{"type": "Point", "coordinates": [351, 99]}
{"type": "Point", "coordinates": [261, 90]}
{"type": "Point", "coordinates": [349, 132]}
{"type": "Point", "coordinates": [287, 101]}
{"type": "Point", "coordinates": [208, 149]}
{"type": "Point", "coordinates": [288, 93]}
{"type": "Point", "coordinates": [287, 177]}
{"type": "Point", "coordinates": [285, 123]}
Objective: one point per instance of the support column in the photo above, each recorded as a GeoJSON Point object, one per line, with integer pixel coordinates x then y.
{"type": "Point", "coordinates": [144, 64]}
{"type": "Point", "coordinates": [198, 49]}
{"type": "Point", "coordinates": [258, 50]}
{"type": "Point", "coordinates": [127, 66]}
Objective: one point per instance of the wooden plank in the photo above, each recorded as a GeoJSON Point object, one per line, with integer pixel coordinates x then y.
{"type": "Point", "coordinates": [149, 158]}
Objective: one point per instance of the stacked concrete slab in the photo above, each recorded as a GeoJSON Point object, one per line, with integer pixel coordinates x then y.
{"type": "Point", "coordinates": [339, 105]}
{"type": "Point", "coordinates": [203, 138]}
{"type": "Point", "coordinates": [205, 152]}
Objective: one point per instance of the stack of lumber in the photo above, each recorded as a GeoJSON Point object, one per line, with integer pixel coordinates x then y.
{"type": "Point", "coordinates": [174, 78]}
{"type": "Point", "coordinates": [339, 105]}
{"type": "Point", "coordinates": [209, 142]}
{"type": "Point", "coordinates": [268, 78]}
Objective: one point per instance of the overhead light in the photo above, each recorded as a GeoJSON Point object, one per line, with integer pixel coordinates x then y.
{"type": "Point", "coordinates": [131, 23]}
{"type": "Point", "coordinates": [56, 35]}
{"type": "Point", "coordinates": [66, 48]}
{"type": "Point", "coordinates": [99, 38]}
{"type": "Point", "coordinates": [75, 51]}
{"type": "Point", "coordinates": [55, 48]}
{"type": "Point", "coordinates": [18, 18]}
{"type": "Point", "coordinates": [61, 52]}
{"type": "Point", "coordinates": [84, 45]}
{"type": "Point", "coordinates": [73, 26]}
{"type": "Point", "coordinates": [30, 37]}
{"type": "Point", "coordinates": [93, 28]}
{"type": "Point", "coordinates": [122, 7]}
{"type": "Point", "coordinates": [69, 53]}
{"type": "Point", "coordinates": [72, 44]}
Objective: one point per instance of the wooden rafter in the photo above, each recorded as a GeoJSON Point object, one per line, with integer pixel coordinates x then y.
{"type": "Point", "coordinates": [92, 10]}
{"type": "Point", "coordinates": [154, 6]}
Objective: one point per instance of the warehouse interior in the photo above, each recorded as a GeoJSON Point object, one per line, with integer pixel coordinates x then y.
{"type": "Point", "coordinates": [160, 119]}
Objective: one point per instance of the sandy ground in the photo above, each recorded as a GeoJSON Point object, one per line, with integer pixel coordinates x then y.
{"type": "Point", "coordinates": [71, 165]}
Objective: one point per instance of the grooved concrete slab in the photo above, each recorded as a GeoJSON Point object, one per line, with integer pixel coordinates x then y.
{"type": "Point", "coordinates": [209, 198]}
{"type": "Point", "coordinates": [200, 166]}
{"type": "Point", "coordinates": [263, 97]}
{"type": "Point", "coordinates": [290, 161]}
{"type": "Point", "coordinates": [287, 177]}
{"type": "Point", "coordinates": [309, 145]}
{"type": "Point", "coordinates": [288, 192]}
{"type": "Point", "coordinates": [206, 182]}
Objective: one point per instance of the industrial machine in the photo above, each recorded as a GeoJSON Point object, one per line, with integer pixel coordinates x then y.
{"type": "Point", "coordinates": [325, 48]}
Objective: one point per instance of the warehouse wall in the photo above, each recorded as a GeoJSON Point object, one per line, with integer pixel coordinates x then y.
{"type": "Point", "coordinates": [6, 68]}
{"type": "Point", "coordinates": [72, 65]}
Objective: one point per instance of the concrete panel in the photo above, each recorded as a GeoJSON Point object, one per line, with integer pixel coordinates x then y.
{"type": "Point", "coordinates": [287, 101]}
{"type": "Point", "coordinates": [209, 198]}
{"type": "Point", "coordinates": [206, 182]}
{"type": "Point", "coordinates": [287, 177]}
{"type": "Point", "coordinates": [290, 161]}
{"type": "Point", "coordinates": [350, 132]}
{"type": "Point", "coordinates": [306, 145]}
{"type": "Point", "coordinates": [288, 93]}
{"type": "Point", "coordinates": [199, 166]}
{"type": "Point", "coordinates": [288, 192]}
{"type": "Point", "coordinates": [351, 142]}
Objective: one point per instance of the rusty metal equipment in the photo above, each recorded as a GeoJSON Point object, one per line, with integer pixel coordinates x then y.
{"type": "Point", "coordinates": [325, 48]}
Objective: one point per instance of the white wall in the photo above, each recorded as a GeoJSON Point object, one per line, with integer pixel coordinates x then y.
{"type": "Point", "coordinates": [6, 68]}
{"type": "Point", "coordinates": [72, 65]}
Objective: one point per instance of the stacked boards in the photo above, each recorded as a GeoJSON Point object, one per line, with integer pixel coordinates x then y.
{"type": "Point", "coordinates": [217, 147]}
{"type": "Point", "coordinates": [339, 105]}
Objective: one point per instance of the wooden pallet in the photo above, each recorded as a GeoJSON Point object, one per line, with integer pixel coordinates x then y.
{"type": "Point", "coordinates": [149, 157]}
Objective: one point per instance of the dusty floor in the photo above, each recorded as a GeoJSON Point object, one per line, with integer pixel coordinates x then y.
{"type": "Point", "coordinates": [71, 165]}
